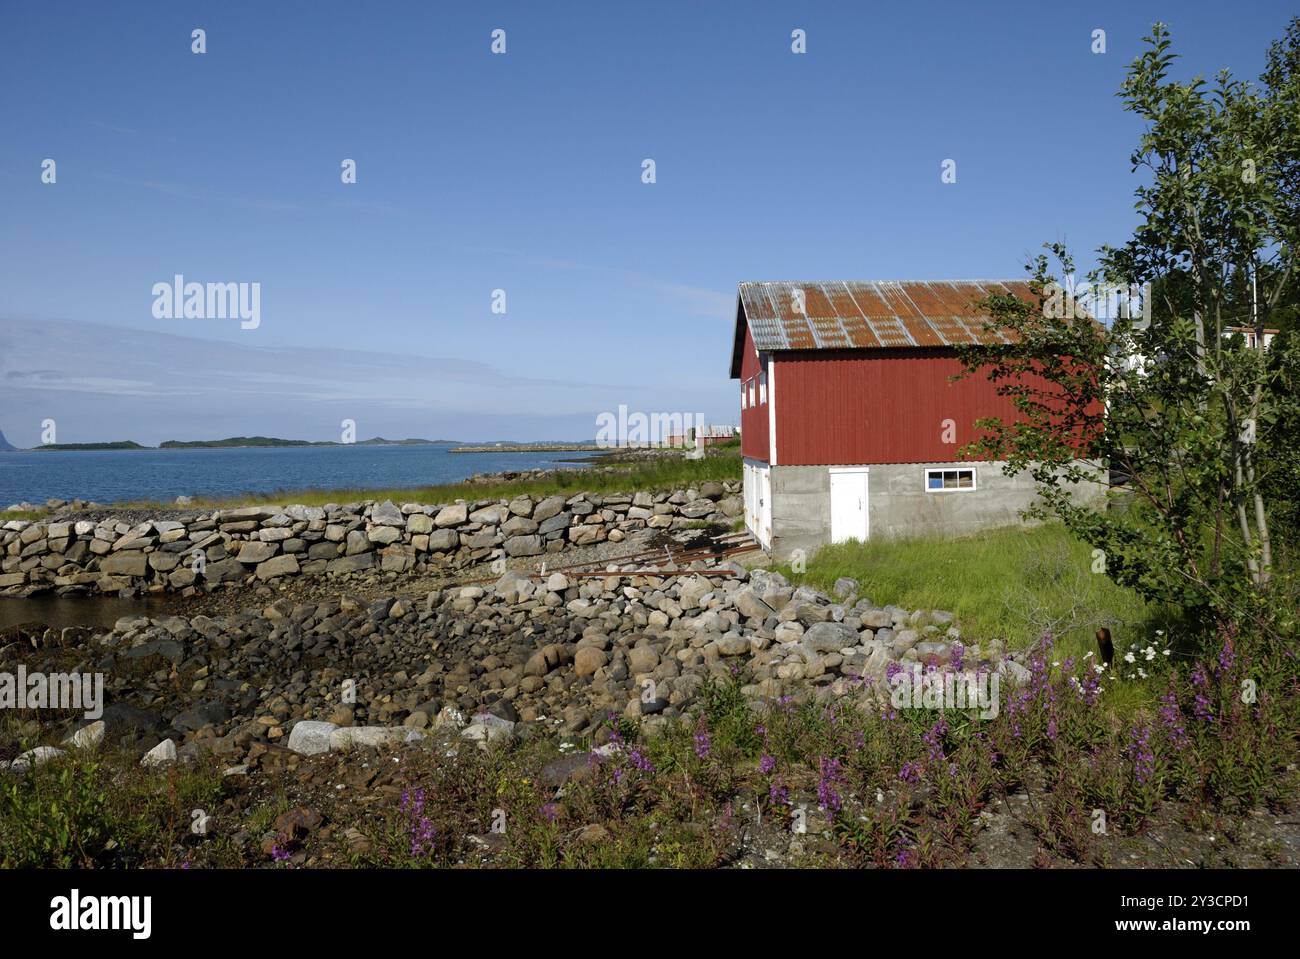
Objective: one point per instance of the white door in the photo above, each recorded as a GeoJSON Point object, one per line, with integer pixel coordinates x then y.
{"type": "Point", "coordinates": [848, 504]}
{"type": "Point", "coordinates": [749, 496]}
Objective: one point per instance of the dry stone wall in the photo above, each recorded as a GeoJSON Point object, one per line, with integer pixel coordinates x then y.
{"type": "Point", "coordinates": [205, 550]}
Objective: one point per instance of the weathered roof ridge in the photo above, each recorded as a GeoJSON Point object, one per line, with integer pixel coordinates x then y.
{"type": "Point", "coordinates": [866, 314]}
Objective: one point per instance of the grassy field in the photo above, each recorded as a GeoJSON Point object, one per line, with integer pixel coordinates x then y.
{"type": "Point", "coordinates": [1012, 584]}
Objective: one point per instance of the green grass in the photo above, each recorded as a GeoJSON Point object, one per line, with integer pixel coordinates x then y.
{"type": "Point", "coordinates": [1009, 584]}
{"type": "Point", "coordinates": [6, 515]}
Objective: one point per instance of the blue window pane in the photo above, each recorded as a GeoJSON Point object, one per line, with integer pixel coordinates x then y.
{"type": "Point", "coordinates": [935, 481]}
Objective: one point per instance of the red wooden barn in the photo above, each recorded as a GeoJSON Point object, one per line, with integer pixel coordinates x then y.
{"type": "Point", "coordinates": [850, 420]}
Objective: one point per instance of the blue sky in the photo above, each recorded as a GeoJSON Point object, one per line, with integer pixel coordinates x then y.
{"type": "Point", "coordinates": [521, 172]}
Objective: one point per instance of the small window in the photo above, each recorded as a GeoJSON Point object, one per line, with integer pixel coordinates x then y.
{"type": "Point", "coordinates": [949, 480]}
{"type": "Point", "coordinates": [762, 387]}
{"type": "Point", "coordinates": [751, 392]}
{"type": "Point", "coordinates": [743, 390]}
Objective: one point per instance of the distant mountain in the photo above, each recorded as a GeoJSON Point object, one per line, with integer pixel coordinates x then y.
{"type": "Point", "coordinates": [5, 445]}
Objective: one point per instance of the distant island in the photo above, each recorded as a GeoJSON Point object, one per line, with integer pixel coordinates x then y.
{"type": "Point", "coordinates": [261, 441]}
{"type": "Point", "coordinates": [119, 445]}
{"type": "Point", "coordinates": [268, 442]}
{"type": "Point", "coordinates": [233, 442]}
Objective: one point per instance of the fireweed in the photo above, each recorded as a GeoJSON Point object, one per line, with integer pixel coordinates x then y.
{"type": "Point", "coordinates": [908, 787]}
{"type": "Point", "coordinates": [419, 827]}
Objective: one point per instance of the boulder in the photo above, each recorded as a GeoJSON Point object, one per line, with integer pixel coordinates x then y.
{"type": "Point", "coordinates": [164, 754]}
{"type": "Point", "coordinates": [255, 552]}
{"type": "Point", "coordinates": [310, 737]}
{"type": "Point", "coordinates": [453, 515]}
{"type": "Point", "coordinates": [523, 546]}
{"type": "Point", "coordinates": [277, 567]}
{"type": "Point", "coordinates": [830, 637]}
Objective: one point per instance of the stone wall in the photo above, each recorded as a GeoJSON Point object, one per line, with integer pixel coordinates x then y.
{"type": "Point", "coordinates": [202, 550]}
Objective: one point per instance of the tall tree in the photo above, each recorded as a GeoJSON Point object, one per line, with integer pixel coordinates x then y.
{"type": "Point", "coordinates": [1179, 396]}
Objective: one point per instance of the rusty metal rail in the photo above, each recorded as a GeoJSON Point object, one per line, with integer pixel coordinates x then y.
{"type": "Point", "coordinates": [720, 548]}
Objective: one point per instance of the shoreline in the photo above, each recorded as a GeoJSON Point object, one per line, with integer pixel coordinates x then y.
{"type": "Point", "coordinates": [638, 467]}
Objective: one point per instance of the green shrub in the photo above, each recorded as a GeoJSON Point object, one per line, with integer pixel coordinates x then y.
{"type": "Point", "coordinates": [56, 815]}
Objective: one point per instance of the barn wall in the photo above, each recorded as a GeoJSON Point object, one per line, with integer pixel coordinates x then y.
{"type": "Point", "coordinates": [900, 507]}
{"type": "Point", "coordinates": [754, 419]}
{"type": "Point", "coordinates": [801, 510]}
{"type": "Point", "coordinates": [878, 406]}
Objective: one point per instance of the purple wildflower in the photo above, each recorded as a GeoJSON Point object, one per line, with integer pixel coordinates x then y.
{"type": "Point", "coordinates": [703, 742]}
{"type": "Point", "coordinates": [422, 835]}
{"type": "Point", "coordinates": [1171, 716]}
{"type": "Point", "coordinates": [827, 797]}
{"type": "Point", "coordinates": [1139, 750]}
{"type": "Point", "coordinates": [639, 761]}
{"type": "Point", "coordinates": [1227, 658]}
{"type": "Point", "coordinates": [905, 858]}
{"type": "Point", "coordinates": [934, 739]}
{"type": "Point", "coordinates": [1201, 707]}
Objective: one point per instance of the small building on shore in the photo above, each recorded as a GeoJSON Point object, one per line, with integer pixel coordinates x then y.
{"type": "Point", "coordinates": [711, 434]}
{"type": "Point", "coordinates": [852, 421]}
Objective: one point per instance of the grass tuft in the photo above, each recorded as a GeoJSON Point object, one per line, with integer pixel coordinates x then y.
{"type": "Point", "coordinates": [1012, 584]}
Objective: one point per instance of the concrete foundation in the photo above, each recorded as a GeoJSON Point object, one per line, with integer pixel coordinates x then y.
{"type": "Point", "coordinates": [899, 505]}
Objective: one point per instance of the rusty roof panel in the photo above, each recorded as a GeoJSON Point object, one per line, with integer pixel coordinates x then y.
{"type": "Point", "coordinates": [871, 315]}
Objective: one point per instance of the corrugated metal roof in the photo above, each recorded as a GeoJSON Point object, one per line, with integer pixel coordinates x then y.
{"type": "Point", "coordinates": [839, 315]}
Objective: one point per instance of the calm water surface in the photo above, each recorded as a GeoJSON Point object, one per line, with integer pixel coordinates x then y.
{"type": "Point", "coordinates": [61, 611]}
{"type": "Point", "coordinates": [107, 476]}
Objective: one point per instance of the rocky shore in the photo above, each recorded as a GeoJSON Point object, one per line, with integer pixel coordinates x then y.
{"type": "Point", "coordinates": [106, 551]}
{"type": "Point", "coordinates": [513, 659]}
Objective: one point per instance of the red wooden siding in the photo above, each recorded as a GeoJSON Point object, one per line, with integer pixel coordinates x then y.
{"type": "Point", "coordinates": [753, 419]}
{"type": "Point", "coordinates": [876, 406]}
